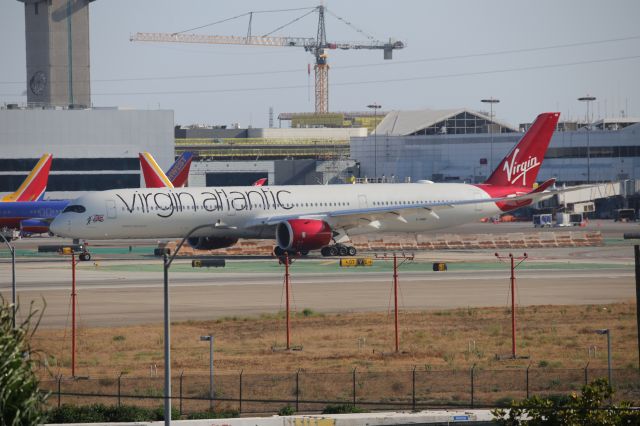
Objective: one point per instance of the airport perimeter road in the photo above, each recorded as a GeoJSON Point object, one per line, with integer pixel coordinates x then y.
{"type": "Point", "coordinates": [121, 293]}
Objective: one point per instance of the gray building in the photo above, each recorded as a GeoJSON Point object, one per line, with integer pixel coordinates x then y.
{"type": "Point", "coordinates": [93, 149]}
{"type": "Point", "coordinates": [57, 42]}
{"type": "Point", "coordinates": [419, 150]}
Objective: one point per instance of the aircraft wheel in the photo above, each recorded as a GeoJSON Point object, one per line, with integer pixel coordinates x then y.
{"type": "Point", "coordinates": [342, 251]}
{"type": "Point", "coordinates": [351, 251]}
{"type": "Point", "coordinates": [304, 252]}
{"type": "Point", "coordinates": [85, 257]}
{"type": "Point", "coordinates": [333, 251]}
{"type": "Point", "coordinates": [325, 251]}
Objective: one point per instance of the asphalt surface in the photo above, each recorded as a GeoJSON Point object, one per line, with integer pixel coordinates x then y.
{"type": "Point", "coordinates": [112, 291]}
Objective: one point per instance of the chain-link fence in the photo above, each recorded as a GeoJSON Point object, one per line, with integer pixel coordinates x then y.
{"type": "Point", "coordinates": [312, 391]}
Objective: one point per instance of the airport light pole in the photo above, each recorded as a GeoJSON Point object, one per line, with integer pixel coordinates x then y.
{"type": "Point", "coordinates": [209, 338]}
{"type": "Point", "coordinates": [167, 260]}
{"type": "Point", "coordinates": [375, 106]}
{"type": "Point", "coordinates": [588, 99]}
{"type": "Point", "coordinates": [491, 101]}
{"type": "Point", "coordinates": [608, 333]}
{"type": "Point", "coordinates": [12, 249]}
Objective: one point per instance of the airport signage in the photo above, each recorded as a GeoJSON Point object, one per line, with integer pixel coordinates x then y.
{"type": "Point", "coordinates": [355, 261]}
{"type": "Point", "coordinates": [208, 263]}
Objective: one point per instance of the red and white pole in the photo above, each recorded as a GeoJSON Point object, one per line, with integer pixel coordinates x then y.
{"type": "Point", "coordinates": [395, 299]}
{"type": "Point", "coordinates": [73, 314]}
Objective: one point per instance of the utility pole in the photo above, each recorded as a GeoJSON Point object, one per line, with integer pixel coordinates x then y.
{"type": "Point", "coordinates": [375, 106]}
{"type": "Point", "coordinates": [512, 260]}
{"type": "Point", "coordinates": [491, 101]}
{"type": "Point", "coordinates": [588, 99]}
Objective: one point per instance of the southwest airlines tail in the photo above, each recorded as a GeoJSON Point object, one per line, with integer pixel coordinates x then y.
{"type": "Point", "coordinates": [176, 176]}
{"type": "Point", "coordinates": [35, 184]}
{"type": "Point", "coordinates": [179, 172]}
{"type": "Point", "coordinates": [521, 166]}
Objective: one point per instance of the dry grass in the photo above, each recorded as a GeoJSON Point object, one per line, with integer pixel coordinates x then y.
{"type": "Point", "coordinates": [553, 336]}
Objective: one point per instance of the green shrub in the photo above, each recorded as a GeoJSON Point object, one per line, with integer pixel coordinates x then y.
{"type": "Point", "coordinates": [341, 409]}
{"type": "Point", "coordinates": [21, 400]}
{"type": "Point", "coordinates": [102, 413]}
{"type": "Point", "coordinates": [286, 411]}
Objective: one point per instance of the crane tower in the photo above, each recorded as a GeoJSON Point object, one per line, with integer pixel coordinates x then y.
{"type": "Point", "coordinates": [317, 46]}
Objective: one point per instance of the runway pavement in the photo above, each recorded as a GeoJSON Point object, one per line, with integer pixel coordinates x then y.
{"type": "Point", "coordinates": [124, 289]}
{"type": "Point", "coordinates": [112, 294]}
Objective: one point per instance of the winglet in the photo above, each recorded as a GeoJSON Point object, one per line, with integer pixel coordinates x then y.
{"type": "Point", "coordinates": [259, 182]}
{"type": "Point", "coordinates": [154, 177]}
{"type": "Point", "coordinates": [178, 173]}
{"type": "Point", "coordinates": [34, 186]}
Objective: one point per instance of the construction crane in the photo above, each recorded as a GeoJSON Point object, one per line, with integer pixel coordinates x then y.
{"type": "Point", "coordinates": [317, 46]}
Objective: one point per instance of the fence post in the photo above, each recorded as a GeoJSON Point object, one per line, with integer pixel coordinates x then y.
{"type": "Point", "coordinates": [528, 367]}
{"type": "Point", "coordinates": [240, 400]}
{"type": "Point", "coordinates": [297, 390]}
{"type": "Point", "coordinates": [354, 386]}
{"type": "Point", "coordinates": [413, 389]}
{"type": "Point", "coordinates": [59, 380]}
{"type": "Point", "coordinates": [119, 385]}
{"type": "Point", "coordinates": [181, 378]}
{"type": "Point", "coordinates": [586, 373]}
{"type": "Point", "coordinates": [472, 386]}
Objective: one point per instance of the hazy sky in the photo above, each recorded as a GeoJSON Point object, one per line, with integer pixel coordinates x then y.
{"type": "Point", "coordinates": [532, 55]}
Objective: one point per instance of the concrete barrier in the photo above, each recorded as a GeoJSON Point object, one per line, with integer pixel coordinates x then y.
{"type": "Point", "coordinates": [394, 242]}
{"type": "Point", "coordinates": [468, 417]}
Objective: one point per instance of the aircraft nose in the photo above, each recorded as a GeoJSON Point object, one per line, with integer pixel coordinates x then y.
{"type": "Point", "coordinates": [56, 226]}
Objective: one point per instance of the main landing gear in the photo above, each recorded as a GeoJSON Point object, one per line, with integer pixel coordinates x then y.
{"type": "Point", "coordinates": [338, 250]}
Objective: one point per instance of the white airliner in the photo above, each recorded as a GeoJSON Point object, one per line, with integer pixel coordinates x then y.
{"type": "Point", "coordinates": [304, 218]}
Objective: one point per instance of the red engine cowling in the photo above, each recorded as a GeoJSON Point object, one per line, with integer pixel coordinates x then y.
{"type": "Point", "coordinates": [303, 234]}
{"type": "Point", "coordinates": [211, 243]}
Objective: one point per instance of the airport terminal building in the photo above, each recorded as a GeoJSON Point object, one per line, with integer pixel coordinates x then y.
{"type": "Point", "coordinates": [461, 146]}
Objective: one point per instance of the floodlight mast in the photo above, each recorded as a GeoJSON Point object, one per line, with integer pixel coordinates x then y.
{"type": "Point", "coordinates": [317, 46]}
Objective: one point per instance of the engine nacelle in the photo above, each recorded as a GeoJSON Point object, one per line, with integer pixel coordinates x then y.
{"type": "Point", "coordinates": [303, 234]}
{"type": "Point", "coordinates": [34, 226]}
{"type": "Point", "coordinates": [211, 243]}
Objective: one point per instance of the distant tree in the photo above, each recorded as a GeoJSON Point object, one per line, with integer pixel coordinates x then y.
{"type": "Point", "coordinates": [589, 409]}
{"type": "Point", "coordinates": [21, 401]}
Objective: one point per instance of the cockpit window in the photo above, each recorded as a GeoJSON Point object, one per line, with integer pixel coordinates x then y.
{"type": "Point", "coordinates": [75, 209]}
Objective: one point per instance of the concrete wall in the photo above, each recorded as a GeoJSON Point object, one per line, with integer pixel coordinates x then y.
{"type": "Point", "coordinates": [58, 61]}
{"type": "Point", "coordinates": [310, 133]}
{"type": "Point", "coordinates": [91, 133]}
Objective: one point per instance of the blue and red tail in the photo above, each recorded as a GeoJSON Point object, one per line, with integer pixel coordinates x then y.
{"type": "Point", "coordinates": [179, 172]}
{"type": "Point", "coordinates": [35, 184]}
{"type": "Point", "coordinates": [176, 176]}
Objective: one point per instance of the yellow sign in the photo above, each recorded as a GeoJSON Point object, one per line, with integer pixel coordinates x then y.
{"type": "Point", "coordinates": [355, 261]}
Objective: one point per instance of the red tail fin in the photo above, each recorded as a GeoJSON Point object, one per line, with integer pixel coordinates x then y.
{"type": "Point", "coordinates": [521, 166]}
{"type": "Point", "coordinates": [154, 177]}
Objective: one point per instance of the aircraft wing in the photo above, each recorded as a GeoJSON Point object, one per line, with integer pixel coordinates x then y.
{"type": "Point", "coordinates": [349, 218]}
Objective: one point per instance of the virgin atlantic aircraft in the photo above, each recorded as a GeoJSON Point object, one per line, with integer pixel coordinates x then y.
{"type": "Point", "coordinates": [310, 217]}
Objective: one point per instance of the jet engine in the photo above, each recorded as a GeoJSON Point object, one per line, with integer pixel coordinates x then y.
{"type": "Point", "coordinates": [211, 243]}
{"type": "Point", "coordinates": [303, 234]}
